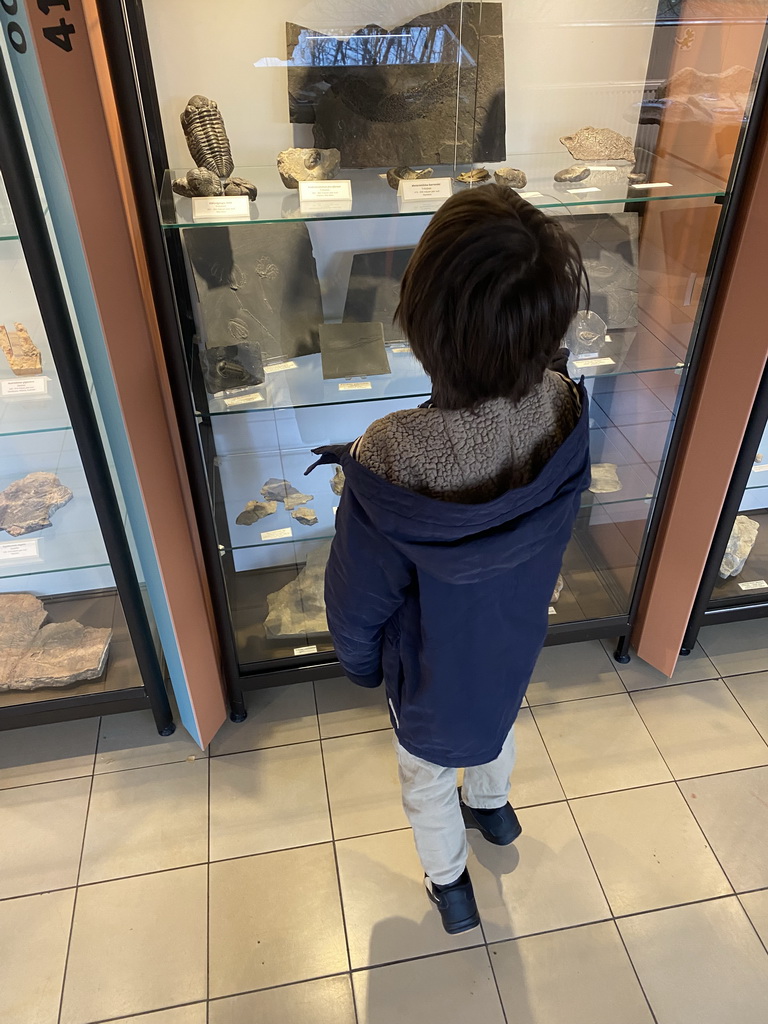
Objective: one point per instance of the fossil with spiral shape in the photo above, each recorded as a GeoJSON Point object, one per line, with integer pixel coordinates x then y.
{"type": "Point", "coordinates": [206, 136]}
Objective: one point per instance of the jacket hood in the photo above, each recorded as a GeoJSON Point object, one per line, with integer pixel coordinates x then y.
{"type": "Point", "coordinates": [465, 543]}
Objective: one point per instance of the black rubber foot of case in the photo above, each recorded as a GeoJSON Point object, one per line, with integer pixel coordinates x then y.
{"type": "Point", "coordinates": [169, 730]}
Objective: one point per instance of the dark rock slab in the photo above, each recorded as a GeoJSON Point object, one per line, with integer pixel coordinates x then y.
{"type": "Point", "coordinates": [278, 490]}
{"type": "Point", "coordinates": [228, 367]}
{"type": "Point", "coordinates": [374, 288]}
{"type": "Point", "coordinates": [609, 244]}
{"type": "Point", "coordinates": [298, 608]}
{"type": "Point", "coordinates": [28, 504]}
{"type": "Point", "coordinates": [353, 350]}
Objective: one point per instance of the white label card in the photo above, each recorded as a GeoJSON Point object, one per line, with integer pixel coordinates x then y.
{"type": "Point", "coordinates": [604, 361]}
{"type": "Point", "coordinates": [325, 191]}
{"type": "Point", "coordinates": [311, 649]}
{"type": "Point", "coordinates": [760, 468]}
{"type": "Point", "coordinates": [754, 585]}
{"type": "Point", "coordinates": [215, 208]}
{"type": "Point", "coordinates": [402, 348]}
{"type": "Point", "coordinates": [358, 385]}
{"type": "Point", "coordinates": [275, 367]}
{"type": "Point", "coordinates": [277, 534]}
{"type": "Point", "coordinates": [11, 550]}
{"type": "Point", "coordinates": [587, 188]}
{"type": "Point", "coordinates": [530, 195]}
{"type": "Point", "coordinates": [24, 386]}
{"type": "Point", "coordinates": [653, 184]}
{"type": "Point", "coordinates": [425, 188]}
{"type": "Point", "coordinates": [243, 400]}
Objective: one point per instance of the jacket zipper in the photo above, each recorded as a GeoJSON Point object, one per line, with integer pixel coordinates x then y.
{"type": "Point", "coordinates": [394, 713]}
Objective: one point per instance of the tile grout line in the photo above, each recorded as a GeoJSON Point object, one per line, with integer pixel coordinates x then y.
{"type": "Point", "coordinates": [724, 680]}
{"type": "Point", "coordinates": [496, 981]}
{"type": "Point", "coordinates": [760, 939]}
{"type": "Point", "coordinates": [635, 971]}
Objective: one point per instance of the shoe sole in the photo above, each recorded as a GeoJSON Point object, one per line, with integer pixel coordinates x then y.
{"type": "Point", "coordinates": [465, 926]}
{"type": "Point", "coordinates": [471, 822]}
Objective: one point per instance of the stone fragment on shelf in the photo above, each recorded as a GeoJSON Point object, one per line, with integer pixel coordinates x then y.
{"type": "Point", "coordinates": [558, 589]}
{"type": "Point", "coordinates": [511, 177]}
{"type": "Point", "coordinates": [295, 165]}
{"type": "Point", "coordinates": [605, 479]}
{"type": "Point", "coordinates": [338, 480]}
{"type": "Point", "coordinates": [240, 187]}
{"type": "Point", "coordinates": [34, 654]}
{"type": "Point", "coordinates": [758, 458]}
{"type": "Point", "coordinates": [204, 183]}
{"type": "Point", "coordinates": [303, 515]}
{"type": "Point", "coordinates": [474, 177]}
{"type": "Point", "coordinates": [397, 174]}
{"type": "Point", "coordinates": [256, 510]}
{"type": "Point", "coordinates": [599, 144]}
{"type": "Point", "coordinates": [576, 172]}
{"type": "Point", "coordinates": [27, 505]}
{"type": "Point", "coordinates": [298, 608]}
{"type": "Point", "coordinates": [740, 543]}
{"type": "Point", "coordinates": [278, 490]}
{"type": "Point", "coordinates": [637, 177]}
{"type": "Point", "coordinates": [23, 356]}
{"type": "Point", "coordinates": [293, 501]}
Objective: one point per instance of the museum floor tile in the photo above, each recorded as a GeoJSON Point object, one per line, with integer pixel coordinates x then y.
{"type": "Point", "coordinates": [274, 879]}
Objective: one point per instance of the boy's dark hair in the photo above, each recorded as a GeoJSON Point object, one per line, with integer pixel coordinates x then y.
{"type": "Point", "coordinates": [488, 295]}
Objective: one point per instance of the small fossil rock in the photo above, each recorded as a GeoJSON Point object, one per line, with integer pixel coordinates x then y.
{"type": "Point", "coordinates": [740, 543]}
{"type": "Point", "coordinates": [199, 182]}
{"type": "Point", "coordinates": [338, 480]}
{"type": "Point", "coordinates": [604, 478]}
{"type": "Point", "coordinates": [305, 516]}
{"type": "Point", "coordinates": [206, 136]}
{"type": "Point", "coordinates": [599, 144]}
{"type": "Point", "coordinates": [576, 172]}
{"type": "Point", "coordinates": [637, 177]}
{"type": "Point", "coordinates": [475, 176]}
{"type": "Point", "coordinates": [256, 510]}
{"type": "Point", "coordinates": [758, 458]}
{"type": "Point", "coordinates": [28, 504]}
{"type": "Point", "coordinates": [510, 176]}
{"type": "Point", "coordinates": [295, 165]}
{"type": "Point", "coordinates": [294, 500]}
{"type": "Point", "coordinates": [397, 174]}
{"type": "Point", "coordinates": [277, 490]}
{"type": "Point", "coordinates": [240, 187]}
{"type": "Point", "coordinates": [22, 355]}
{"type": "Point", "coordinates": [558, 589]}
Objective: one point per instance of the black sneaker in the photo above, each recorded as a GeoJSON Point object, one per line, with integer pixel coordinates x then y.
{"type": "Point", "coordinates": [456, 903]}
{"type": "Point", "coordinates": [499, 826]}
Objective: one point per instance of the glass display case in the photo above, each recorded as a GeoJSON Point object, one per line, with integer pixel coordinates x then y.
{"type": "Point", "coordinates": [77, 634]}
{"type": "Point", "coordinates": [298, 152]}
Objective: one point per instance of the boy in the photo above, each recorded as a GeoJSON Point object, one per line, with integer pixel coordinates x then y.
{"type": "Point", "coordinates": [455, 516]}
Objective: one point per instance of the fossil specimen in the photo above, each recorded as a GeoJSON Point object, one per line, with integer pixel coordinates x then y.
{"type": "Point", "coordinates": [586, 334]}
{"type": "Point", "coordinates": [576, 172]}
{"type": "Point", "coordinates": [206, 136]}
{"type": "Point", "coordinates": [278, 490]}
{"type": "Point", "coordinates": [637, 177]}
{"type": "Point", "coordinates": [397, 174]}
{"type": "Point", "coordinates": [510, 176]}
{"type": "Point", "coordinates": [475, 176]}
{"type": "Point", "coordinates": [374, 288]}
{"type": "Point", "coordinates": [558, 589]}
{"type": "Point", "coordinates": [353, 350]}
{"type": "Point", "coordinates": [35, 653]}
{"type": "Point", "coordinates": [295, 165]}
{"type": "Point", "coordinates": [338, 481]}
{"type": "Point", "coordinates": [293, 501]}
{"type": "Point", "coordinates": [740, 543]}
{"type": "Point", "coordinates": [604, 478]}
{"type": "Point", "coordinates": [305, 516]}
{"type": "Point", "coordinates": [239, 187]}
{"type": "Point", "coordinates": [298, 608]}
{"type": "Point", "coordinates": [199, 182]}
{"type": "Point", "coordinates": [609, 248]}
{"type": "Point", "coordinates": [28, 504]}
{"type": "Point", "coordinates": [23, 357]}
{"type": "Point", "coordinates": [232, 366]}
{"type": "Point", "coordinates": [256, 510]}
{"type": "Point", "coordinates": [599, 144]}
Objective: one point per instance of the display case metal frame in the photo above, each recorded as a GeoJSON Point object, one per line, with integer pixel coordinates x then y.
{"type": "Point", "coordinates": [27, 209]}
{"type": "Point", "coordinates": [131, 69]}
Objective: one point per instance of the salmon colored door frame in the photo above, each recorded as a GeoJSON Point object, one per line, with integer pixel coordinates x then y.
{"type": "Point", "coordinates": [85, 121]}
{"type": "Point", "coordinates": [733, 360]}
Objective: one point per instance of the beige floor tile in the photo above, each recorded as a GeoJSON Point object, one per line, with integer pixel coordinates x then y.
{"type": "Point", "coordinates": [544, 881]}
{"type": "Point", "coordinates": [639, 675]}
{"type": "Point", "coordinates": [756, 906]}
{"type": "Point", "coordinates": [572, 671]}
{"type": "Point", "coordinates": [700, 964]}
{"type": "Point", "coordinates": [386, 908]}
{"type": "Point", "coordinates": [34, 932]}
{"type": "Point", "coordinates": [700, 729]}
{"type": "Point", "coordinates": [534, 780]}
{"type": "Point", "coordinates": [47, 753]}
{"type": "Point", "coordinates": [194, 1013]}
{"type": "Point", "coordinates": [647, 849]}
{"type": "Point", "coordinates": [327, 1001]}
{"type": "Point", "coordinates": [363, 785]}
{"type": "Point", "coordinates": [600, 745]}
{"type": "Point", "coordinates": [138, 944]}
{"type": "Point", "coordinates": [269, 799]}
{"type": "Point", "coordinates": [275, 919]}
{"type": "Point", "coordinates": [455, 988]}
{"type": "Point", "coordinates": [751, 691]}
{"type": "Point", "coordinates": [276, 716]}
{"type": "Point", "coordinates": [132, 741]}
{"type": "Point", "coordinates": [576, 976]}
{"type": "Point", "coordinates": [731, 810]}
{"type": "Point", "coordinates": [345, 709]}
{"type": "Point", "coordinates": [147, 819]}
{"type": "Point", "coordinates": [41, 835]}
{"type": "Point", "coordinates": [736, 647]}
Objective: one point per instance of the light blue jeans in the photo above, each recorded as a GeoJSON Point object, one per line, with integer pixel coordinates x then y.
{"type": "Point", "coordinates": [431, 802]}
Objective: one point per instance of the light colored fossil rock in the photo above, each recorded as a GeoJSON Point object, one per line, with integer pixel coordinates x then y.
{"type": "Point", "coordinates": [475, 176]}
{"type": "Point", "coordinates": [510, 176]}
{"type": "Point", "coordinates": [298, 608]}
{"type": "Point", "coordinates": [604, 478]}
{"type": "Point", "coordinates": [740, 543]}
{"type": "Point", "coordinates": [27, 505]}
{"type": "Point", "coordinates": [256, 510]}
{"type": "Point", "coordinates": [295, 165]}
{"type": "Point", "coordinates": [293, 501]}
{"type": "Point", "coordinates": [576, 172]}
{"type": "Point", "coordinates": [397, 174]}
{"type": "Point", "coordinates": [206, 136]}
{"type": "Point", "coordinates": [23, 356]}
{"type": "Point", "coordinates": [34, 654]}
{"type": "Point", "coordinates": [303, 515]}
{"type": "Point", "coordinates": [599, 144]}
{"type": "Point", "coordinates": [240, 187]}
{"type": "Point", "coordinates": [338, 480]}
{"type": "Point", "coordinates": [558, 589]}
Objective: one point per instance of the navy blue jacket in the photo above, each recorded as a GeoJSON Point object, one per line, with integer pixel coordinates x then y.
{"type": "Point", "coordinates": [448, 603]}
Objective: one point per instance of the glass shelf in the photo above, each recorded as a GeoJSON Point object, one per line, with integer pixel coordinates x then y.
{"type": "Point", "coordinates": [373, 198]}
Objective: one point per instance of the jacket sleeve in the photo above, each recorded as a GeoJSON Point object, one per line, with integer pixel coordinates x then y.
{"type": "Point", "coordinates": [365, 584]}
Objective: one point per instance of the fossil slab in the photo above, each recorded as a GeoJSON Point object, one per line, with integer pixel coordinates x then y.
{"type": "Point", "coordinates": [605, 479]}
{"type": "Point", "coordinates": [206, 136]}
{"type": "Point", "coordinates": [353, 350]}
{"type": "Point", "coordinates": [395, 97]}
{"type": "Point", "coordinates": [690, 95]}
{"type": "Point", "coordinates": [227, 367]}
{"type": "Point", "coordinates": [293, 501]}
{"type": "Point", "coordinates": [338, 480]}
{"type": "Point", "coordinates": [298, 608]}
{"type": "Point", "coordinates": [305, 516]}
{"type": "Point", "coordinates": [576, 172]}
{"type": "Point", "coordinates": [295, 165]}
{"type": "Point", "coordinates": [599, 144]}
{"type": "Point", "coordinates": [609, 249]}
{"type": "Point", "coordinates": [374, 288]}
{"type": "Point", "coordinates": [740, 544]}
{"type": "Point", "coordinates": [279, 490]}
{"type": "Point", "coordinates": [256, 510]}
{"type": "Point", "coordinates": [27, 505]}
{"type": "Point", "coordinates": [397, 174]}
{"type": "Point", "coordinates": [513, 177]}
{"type": "Point", "coordinates": [23, 356]}
{"type": "Point", "coordinates": [36, 654]}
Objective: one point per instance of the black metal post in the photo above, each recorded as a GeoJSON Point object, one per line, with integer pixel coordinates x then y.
{"type": "Point", "coordinates": [23, 195]}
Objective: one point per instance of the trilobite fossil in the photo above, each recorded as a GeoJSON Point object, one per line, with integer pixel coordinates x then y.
{"type": "Point", "coordinates": [240, 187]}
{"type": "Point", "coordinates": [206, 136]}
